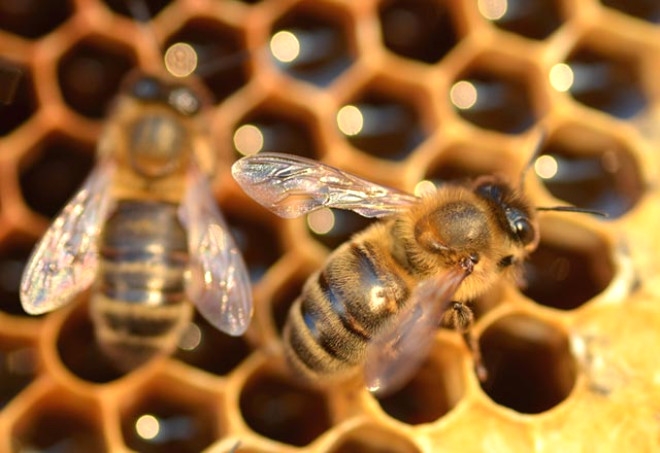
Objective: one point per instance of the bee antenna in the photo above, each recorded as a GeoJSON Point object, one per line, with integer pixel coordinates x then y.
{"type": "Point", "coordinates": [141, 14]}
{"type": "Point", "coordinates": [572, 209]}
{"type": "Point", "coordinates": [10, 77]}
{"type": "Point", "coordinates": [220, 64]}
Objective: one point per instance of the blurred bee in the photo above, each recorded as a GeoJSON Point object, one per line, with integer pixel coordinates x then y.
{"type": "Point", "coordinates": [378, 300]}
{"type": "Point", "coordinates": [144, 231]}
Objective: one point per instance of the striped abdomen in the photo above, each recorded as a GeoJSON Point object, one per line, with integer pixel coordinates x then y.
{"type": "Point", "coordinates": [139, 306]}
{"type": "Point", "coordinates": [342, 307]}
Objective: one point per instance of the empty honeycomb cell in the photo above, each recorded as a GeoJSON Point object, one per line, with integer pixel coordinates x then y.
{"type": "Point", "coordinates": [590, 170]}
{"type": "Point", "coordinates": [464, 162]}
{"type": "Point", "coordinates": [433, 391]}
{"type": "Point", "coordinates": [571, 265]}
{"type": "Point", "coordinates": [535, 19]}
{"type": "Point", "coordinates": [333, 227]}
{"type": "Point", "coordinates": [313, 42]}
{"type": "Point", "coordinates": [257, 242]}
{"type": "Point", "coordinates": [18, 366]}
{"type": "Point", "coordinates": [606, 79]}
{"type": "Point", "coordinates": [282, 410]}
{"type": "Point", "coordinates": [56, 425]}
{"type": "Point", "coordinates": [170, 416]}
{"type": "Point", "coordinates": [33, 19]}
{"type": "Point", "coordinates": [13, 257]}
{"type": "Point", "coordinates": [382, 123]}
{"type": "Point", "coordinates": [418, 29]}
{"type": "Point", "coordinates": [79, 351]}
{"type": "Point", "coordinates": [19, 102]}
{"type": "Point", "coordinates": [373, 439]}
{"type": "Point", "coordinates": [643, 9]}
{"type": "Point", "coordinates": [492, 99]}
{"type": "Point", "coordinates": [137, 9]}
{"type": "Point", "coordinates": [53, 173]}
{"type": "Point", "coordinates": [222, 56]}
{"type": "Point", "coordinates": [205, 347]}
{"type": "Point", "coordinates": [529, 363]}
{"type": "Point", "coordinates": [276, 127]}
{"type": "Point", "coordinates": [90, 74]}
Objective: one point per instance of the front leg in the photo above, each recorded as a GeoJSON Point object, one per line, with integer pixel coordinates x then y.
{"type": "Point", "coordinates": [461, 318]}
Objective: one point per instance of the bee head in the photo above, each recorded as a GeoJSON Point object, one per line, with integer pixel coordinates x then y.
{"type": "Point", "coordinates": [158, 118]}
{"type": "Point", "coordinates": [511, 210]}
{"type": "Point", "coordinates": [148, 89]}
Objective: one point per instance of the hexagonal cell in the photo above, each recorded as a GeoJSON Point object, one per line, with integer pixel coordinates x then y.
{"type": "Point", "coordinates": [313, 42]}
{"type": "Point", "coordinates": [333, 227]}
{"type": "Point", "coordinates": [79, 351]}
{"type": "Point", "coordinates": [383, 122]}
{"type": "Point", "coordinates": [643, 9]}
{"type": "Point", "coordinates": [373, 439]}
{"type": "Point", "coordinates": [464, 162]}
{"type": "Point", "coordinates": [50, 178]}
{"type": "Point", "coordinates": [142, 11]}
{"type": "Point", "coordinates": [417, 29]}
{"type": "Point", "coordinates": [17, 97]}
{"type": "Point", "coordinates": [606, 79]}
{"type": "Point", "coordinates": [221, 52]}
{"type": "Point", "coordinates": [257, 241]}
{"type": "Point", "coordinates": [529, 363]}
{"type": "Point", "coordinates": [90, 74]}
{"type": "Point", "coordinates": [434, 390]}
{"type": "Point", "coordinates": [283, 297]}
{"type": "Point", "coordinates": [283, 411]}
{"type": "Point", "coordinates": [276, 127]}
{"type": "Point", "coordinates": [33, 19]}
{"type": "Point", "coordinates": [18, 366]}
{"type": "Point", "coordinates": [589, 170]}
{"type": "Point", "coordinates": [494, 99]}
{"type": "Point", "coordinates": [168, 416]}
{"type": "Point", "coordinates": [57, 423]}
{"type": "Point", "coordinates": [571, 265]}
{"type": "Point", "coordinates": [205, 347]}
{"type": "Point", "coordinates": [536, 19]}
{"type": "Point", "coordinates": [13, 256]}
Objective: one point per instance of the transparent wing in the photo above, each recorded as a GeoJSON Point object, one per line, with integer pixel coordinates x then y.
{"type": "Point", "coordinates": [65, 260]}
{"type": "Point", "coordinates": [291, 186]}
{"type": "Point", "coordinates": [219, 284]}
{"type": "Point", "coordinates": [395, 354]}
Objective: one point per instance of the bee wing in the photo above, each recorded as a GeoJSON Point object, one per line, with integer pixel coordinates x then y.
{"type": "Point", "coordinates": [291, 186]}
{"type": "Point", "coordinates": [395, 354]}
{"type": "Point", "coordinates": [65, 260]}
{"type": "Point", "coordinates": [219, 284]}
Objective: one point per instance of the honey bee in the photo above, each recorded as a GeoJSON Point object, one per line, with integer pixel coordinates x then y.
{"type": "Point", "coordinates": [376, 303]}
{"type": "Point", "coordinates": [144, 231]}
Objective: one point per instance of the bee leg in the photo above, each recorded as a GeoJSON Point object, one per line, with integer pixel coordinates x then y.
{"type": "Point", "coordinates": [461, 318]}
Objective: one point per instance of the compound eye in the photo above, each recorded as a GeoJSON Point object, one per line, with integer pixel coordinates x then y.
{"type": "Point", "coordinates": [184, 101]}
{"type": "Point", "coordinates": [147, 89]}
{"type": "Point", "coordinates": [524, 230]}
{"type": "Point", "coordinates": [491, 192]}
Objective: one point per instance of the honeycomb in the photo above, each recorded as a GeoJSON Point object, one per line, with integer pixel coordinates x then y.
{"type": "Point", "coordinates": [442, 89]}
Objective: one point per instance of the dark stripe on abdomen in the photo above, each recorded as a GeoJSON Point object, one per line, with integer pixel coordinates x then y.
{"type": "Point", "coordinates": [140, 307]}
{"type": "Point", "coordinates": [338, 315]}
{"type": "Point", "coordinates": [144, 254]}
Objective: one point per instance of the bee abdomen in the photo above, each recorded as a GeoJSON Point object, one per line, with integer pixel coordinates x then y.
{"type": "Point", "coordinates": [131, 334]}
{"type": "Point", "coordinates": [140, 307]}
{"type": "Point", "coordinates": [340, 309]}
